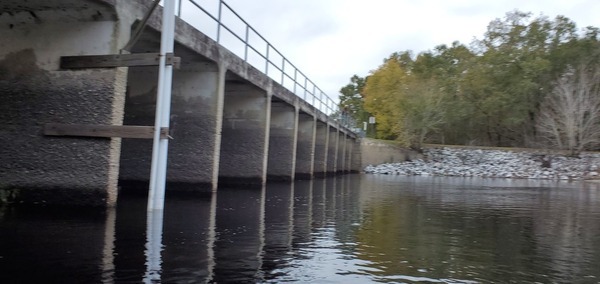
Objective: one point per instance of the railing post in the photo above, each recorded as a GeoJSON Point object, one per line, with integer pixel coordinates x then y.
{"type": "Point", "coordinates": [295, 79]}
{"type": "Point", "coordinates": [219, 21]}
{"type": "Point", "coordinates": [267, 60]}
{"type": "Point", "coordinates": [305, 87]}
{"type": "Point", "coordinates": [282, 68]}
{"type": "Point", "coordinates": [246, 44]}
{"type": "Point", "coordinates": [314, 92]}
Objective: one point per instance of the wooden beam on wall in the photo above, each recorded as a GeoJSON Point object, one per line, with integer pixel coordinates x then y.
{"type": "Point", "coordinates": [116, 60]}
{"type": "Point", "coordinates": [90, 130]}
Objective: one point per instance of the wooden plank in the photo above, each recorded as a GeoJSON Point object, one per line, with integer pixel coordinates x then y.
{"type": "Point", "coordinates": [90, 130]}
{"type": "Point", "coordinates": [116, 60]}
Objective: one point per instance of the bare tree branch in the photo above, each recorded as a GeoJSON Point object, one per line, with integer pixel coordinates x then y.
{"type": "Point", "coordinates": [570, 116]}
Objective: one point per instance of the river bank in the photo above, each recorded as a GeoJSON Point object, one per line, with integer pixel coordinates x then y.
{"type": "Point", "coordinates": [471, 162]}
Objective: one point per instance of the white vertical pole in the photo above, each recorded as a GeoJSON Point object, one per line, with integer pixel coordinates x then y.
{"type": "Point", "coordinates": [160, 146]}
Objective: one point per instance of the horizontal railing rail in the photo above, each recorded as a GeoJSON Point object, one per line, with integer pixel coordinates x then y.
{"type": "Point", "coordinates": [276, 65]}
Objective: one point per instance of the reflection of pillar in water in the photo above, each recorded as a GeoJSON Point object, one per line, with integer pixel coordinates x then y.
{"type": "Point", "coordinates": [153, 250]}
{"type": "Point", "coordinates": [240, 229]}
{"type": "Point", "coordinates": [131, 227]}
{"type": "Point", "coordinates": [212, 235]}
{"type": "Point", "coordinates": [302, 212]}
{"type": "Point", "coordinates": [188, 234]}
{"type": "Point", "coordinates": [330, 198]}
{"type": "Point", "coordinates": [279, 210]}
{"type": "Point", "coordinates": [319, 200]}
{"type": "Point", "coordinates": [108, 259]}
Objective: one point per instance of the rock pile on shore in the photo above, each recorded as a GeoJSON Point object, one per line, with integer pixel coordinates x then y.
{"type": "Point", "coordinates": [495, 163]}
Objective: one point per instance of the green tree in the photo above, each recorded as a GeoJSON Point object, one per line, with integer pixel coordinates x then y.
{"type": "Point", "coordinates": [352, 101]}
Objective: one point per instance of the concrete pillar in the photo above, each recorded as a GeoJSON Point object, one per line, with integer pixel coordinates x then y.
{"type": "Point", "coordinates": [305, 149]}
{"type": "Point", "coordinates": [332, 150]}
{"type": "Point", "coordinates": [282, 142]}
{"type": "Point", "coordinates": [245, 134]}
{"type": "Point", "coordinates": [341, 153]}
{"type": "Point", "coordinates": [34, 91]}
{"type": "Point", "coordinates": [196, 111]}
{"type": "Point", "coordinates": [321, 149]}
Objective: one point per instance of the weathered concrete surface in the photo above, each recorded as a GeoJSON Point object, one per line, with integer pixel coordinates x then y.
{"type": "Point", "coordinates": [341, 153]}
{"type": "Point", "coordinates": [85, 170]}
{"type": "Point", "coordinates": [305, 149]}
{"type": "Point", "coordinates": [243, 158]}
{"type": "Point", "coordinates": [332, 152]}
{"type": "Point", "coordinates": [136, 154]}
{"type": "Point", "coordinates": [321, 149]}
{"type": "Point", "coordinates": [282, 142]}
{"type": "Point", "coordinates": [195, 121]}
{"type": "Point", "coordinates": [375, 152]}
{"type": "Point", "coordinates": [348, 153]}
{"type": "Point", "coordinates": [53, 170]}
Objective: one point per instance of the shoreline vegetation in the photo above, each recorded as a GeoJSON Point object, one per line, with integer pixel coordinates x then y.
{"type": "Point", "coordinates": [528, 81]}
{"type": "Point", "coordinates": [491, 162]}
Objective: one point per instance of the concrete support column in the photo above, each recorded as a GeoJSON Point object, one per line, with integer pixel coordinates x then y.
{"type": "Point", "coordinates": [245, 134]}
{"type": "Point", "coordinates": [321, 148]}
{"type": "Point", "coordinates": [305, 147]}
{"type": "Point", "coordinates": [332, 152]}
{"type": "Point", "coordinates": [341, 153]}
{"type": "Point", "coordinates": [282, 142]}
{"type": "Point", "coordinates": [34, 91]}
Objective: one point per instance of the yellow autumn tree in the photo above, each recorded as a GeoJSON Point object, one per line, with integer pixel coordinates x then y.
{"type": "Point", "coordinates": [384, 97]}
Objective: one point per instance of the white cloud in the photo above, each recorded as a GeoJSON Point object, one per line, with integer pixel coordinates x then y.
{"type": "Point", "coordinates": [330, 40]}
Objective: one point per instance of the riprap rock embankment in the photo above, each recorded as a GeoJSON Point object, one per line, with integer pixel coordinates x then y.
{"type": "Point", "coordinates": [463, 162]}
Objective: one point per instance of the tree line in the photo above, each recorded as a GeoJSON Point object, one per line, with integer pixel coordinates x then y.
{"type": "Point", "coordinates": [529, 82]}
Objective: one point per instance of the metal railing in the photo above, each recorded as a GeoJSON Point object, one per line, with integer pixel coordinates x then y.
{"type": "Point", "coordinates": [274, 64]}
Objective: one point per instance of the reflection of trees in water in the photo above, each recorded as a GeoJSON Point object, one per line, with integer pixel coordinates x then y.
{"type": "Point", "coordinates": [453, 228]}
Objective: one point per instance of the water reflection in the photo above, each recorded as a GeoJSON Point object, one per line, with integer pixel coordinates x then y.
{"type": "Point", "coordinates": [351, 229]}
{"type": "Point", "coordinates": [154, 230]}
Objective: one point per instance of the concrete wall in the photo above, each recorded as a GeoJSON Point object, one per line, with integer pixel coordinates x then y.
{"type": "Point", "coordinates": [375, 152]}
{"type": "Point", "coordinates": [196, 111]}
{"type": "Point", "coordinates": [282, 142]}
{"type": "Point", "coordinates": [332, 152]}
{"type": "Point", "coordinates": [245, 134]}
{"type": "Point", "coordinates": [348, 153]}
{"type": "Point", "coordinates": [341, 153]}
{"type": "Point", "coordinates": [38, 169]}
{"type": "Point", "coordinates": [305, 149]}
{"type": "Point", "coordinates": [221, 109]}
{"type": "Point", "coordinates": [321, 149]}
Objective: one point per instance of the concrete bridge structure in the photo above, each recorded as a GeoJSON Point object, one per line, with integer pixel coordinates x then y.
{"type": "Point", "coordinates": [65, 125]}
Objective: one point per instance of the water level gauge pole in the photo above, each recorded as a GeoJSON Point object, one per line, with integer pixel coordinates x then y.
{"type": "Point", "coordinates": [158, 171]}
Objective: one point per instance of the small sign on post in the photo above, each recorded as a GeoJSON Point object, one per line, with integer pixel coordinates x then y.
{"type": "Point", "coordinates": [372, 120]}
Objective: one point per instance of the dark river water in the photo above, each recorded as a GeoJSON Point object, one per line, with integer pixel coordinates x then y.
{"type": "Point", "coordinates": [349, 229]}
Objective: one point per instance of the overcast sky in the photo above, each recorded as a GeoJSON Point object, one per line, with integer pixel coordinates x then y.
{"type": "Point", "coordinates": [330, 40]}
